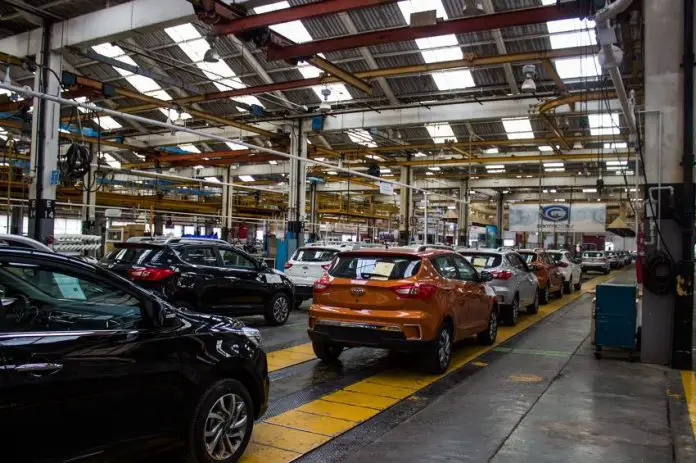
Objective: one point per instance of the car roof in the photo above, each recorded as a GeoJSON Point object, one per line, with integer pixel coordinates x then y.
{"type": "Point", "coordinates": [26, 252]}
{"type": "Point", "coordinates": [485, 251]}
{"type": "Point", "coordinates": [28, 242]}
{"type": "Point", "coordinates": [397, 251]}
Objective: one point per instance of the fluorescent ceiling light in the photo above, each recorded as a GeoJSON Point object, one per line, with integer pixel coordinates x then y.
{"type": "Point", "coordinates": [604, 124]}
{"type": "Point", "coordinates": [552, 191]}
{"type": "Point", "coordinates": [320, 159]}
{"type": "Point", "coordinates": [495, 166]}
{"type": "Point", "coordinates": [221, 75]}
{"type": "Point", "coordinates": [190, 148]}
{"type": "Point", "coordinates": [429, 173]}
{"type": "Point", "coordinates": [589, 190]}
{"type": "Point", "coordinates": [518, 128]}
{"type": "Point", "coordinates": [553, 164]}
{"type": "Point", "coordinates": [212, 179]}
{"type": "Point", "coordinates": [420, 155]}
{"type": "Point", "coordinates": [385, 170]}
{"type": "Point", "coordinates": [555, 169]}
{"type": "Point", "coordinates": [332, 172]}
{"type": "Point", "coordinates": [362, 137]}
{"type": "Point", "coordinates": [616, 146]}
{"type": "Point", "coordinates": [434, 169]}
{"type": "Point", "coordinates": [496, 171]}
{"type": "Point", "coordinates": [246, 178]}
{"type": "Point", "coordinates": [545, 148]}
{"type": "Point", "coordinates": [492, 151]}
{"type": "Point", "coordinates": [472, 192]}
{"type": "Point", "coordinates": [574, 68]}
{"type": "Point", "coordinates": [273, 163]}
{"type": "Point", "coordinates": [375, 157]}
{"type": "Point", "coordinates": [617, 163]}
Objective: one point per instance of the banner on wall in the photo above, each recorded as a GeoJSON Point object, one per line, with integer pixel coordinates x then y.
{"type": "Point", "coordinates": [585, 218]}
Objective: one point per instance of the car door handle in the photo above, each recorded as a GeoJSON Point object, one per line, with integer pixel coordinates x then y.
{"type": "Point", "coordinates": [39, 368]}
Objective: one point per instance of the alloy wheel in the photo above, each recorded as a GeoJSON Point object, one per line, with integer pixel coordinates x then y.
{"type": "Point", "coordinates": [445, 348]}
{"type": "Point", "coordinates": [281, 309]}
{"type": "Point", "coordinates": [225, 427]}
{"type": "Point", "coordinates": [493, 325]}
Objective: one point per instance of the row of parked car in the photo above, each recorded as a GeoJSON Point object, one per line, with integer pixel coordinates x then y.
{"type": "Point", "coordinates": [605, 261]}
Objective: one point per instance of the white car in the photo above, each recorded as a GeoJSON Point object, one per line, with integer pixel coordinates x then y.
{"type": "Point", "coordinates": [307, 265]}
{"type": "Point", "coordinates": [569, 268]}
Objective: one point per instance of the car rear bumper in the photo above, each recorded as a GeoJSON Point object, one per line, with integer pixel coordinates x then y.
{"type": "Point", "coordinates": [503, 294]}
{"type": "Point", "coordinates": [374, 328]}
{"type": "Point", "coordinates": [303, 292]}
{"type": "Point", "coordinates": [594, 266]}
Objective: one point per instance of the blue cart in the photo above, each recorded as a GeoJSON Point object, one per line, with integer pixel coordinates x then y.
{"type": "Point", "coordinates": [615, 319]}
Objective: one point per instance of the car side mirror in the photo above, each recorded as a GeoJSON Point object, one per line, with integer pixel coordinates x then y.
{"type": "Point", "coordinates": [485, 276]}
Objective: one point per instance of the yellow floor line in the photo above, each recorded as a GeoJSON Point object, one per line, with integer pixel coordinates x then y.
{"type": "Point", "coordinates": [289, 435]}
{"type": "Point", "coordinates": [689, 382]}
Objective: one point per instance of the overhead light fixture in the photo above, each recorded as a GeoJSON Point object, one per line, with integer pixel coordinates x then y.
{"type": "Point", "coordinates": [273, 163]}
{"type": "Point", "coordinates": [545, 148]}
{"type": "Point", "coordinates": [529, 86]}
{"type": "Point", "coordinates": [320, 159]}
{"type": "Point", "coordinates": [552, 191]}
{"type": "Point", "coordinates": [495, 166]}
{"type": "Point", "coordinates": [325, 106]}
{"type": "Point", "coordinates": [553, 164]}
{"type": "Point", "coordinates": [617, 163]}
{"type": "Point", "coordinates": [430, 173]}
{"type": "Point", "coordinates": [496, 171]}
{"type": "Point", "coordinates": [211, 55]}
{"type": "Point", "coordinates": [555, 169]}
{"type": "Point", "coordinates": [246, 178]}
{"type": "Point", "coordinates": [577, 145]}
{"type": "Point", "coordinates": [420, 155]}
{"type": "Point", "coordinates": [492, 151]}
{"type": "Point", "coordinates": [434, 169]}
{"type": "Point", "coordinates": [332, 172]}
{"type": "Point", "coordinates": [589, 190]}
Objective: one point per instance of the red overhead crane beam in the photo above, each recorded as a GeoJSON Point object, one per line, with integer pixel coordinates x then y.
{"type": "Point", "coordinates": [401, 34]}
{"type": "Point", "coordinates": [309, 10]}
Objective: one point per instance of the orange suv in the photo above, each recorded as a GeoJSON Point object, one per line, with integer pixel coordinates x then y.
{"type": "Point", "coordinates": [547, 273]}
{"type": "Point", "coordinates": [401, 299]}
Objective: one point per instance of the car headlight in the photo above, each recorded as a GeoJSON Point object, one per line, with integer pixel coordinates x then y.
{"type": "Point", "coordinates": [253, 335]}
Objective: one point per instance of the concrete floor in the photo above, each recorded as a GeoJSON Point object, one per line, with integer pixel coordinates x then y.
{"type": "Point", "coordinates": [540, 396]}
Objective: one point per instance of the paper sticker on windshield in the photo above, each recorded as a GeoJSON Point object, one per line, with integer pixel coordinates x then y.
{"type": "Point", "coordinates": [480, 262]}
{"type": "Point", "coordinates": [273, 279]}
{"type": "Point", "coordinates": [382, 270]}
{"type": "Point", "coordinates": [69, 287]}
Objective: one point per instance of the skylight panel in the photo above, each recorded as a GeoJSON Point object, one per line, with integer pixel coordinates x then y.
{"type": "Point", "coordinates": [518, 128]}
{"type": "Point", "coordinates": [616, 146]}
{"type": "Point", "coordinates": [604, 124]}
{"type": "Point", "coordinates": [174, 115]}
{"type": "Point", "coordinates": [107, 123]}
{"type": "Point", "coordinates": [441, 54]}
{"type": "Point", "coordinates": [362, 137]}
{"type": "Point", "coordinates": [294, 30]}
{"type": "Point", "coordinates": [449, 40]}
{"type": "Point", "coordinates": [111, 161]}
{"type": "Point", "coordinates": [222, 76]}
{"type": "Point", "coordinates": [141, 83]}
{"type": "Point", "coordinates": [572, 68]}
{"type": "Point", "coordinates": [212, 179]}
{"type": "Point", "coordinates": [246, 178]}
{"type": "Point", "coordinates": [440, 132]}
{"type": "Point", "coordinates": [190, 148]}
{"type": "Point", "coordinates": [235, 146]}
{"type": "Point", "coordinates": [451, 80]}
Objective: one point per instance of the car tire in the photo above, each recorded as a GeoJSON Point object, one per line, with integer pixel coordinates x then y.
{"type": "Point", "coordinates": [544, 295]}
{"type": "Point", "coordinates": [438, 355]}
{"type": "Point", "coordinates": [578, 285]}
{"type": "Point", "coordinates": [533, 308]}
{"type": "Point", "coordinates": [226, 405]}
{"type": "Point", "coordinates": [606, 271]}
{"type": "Point", "coordinates": [567, 287]}
{"type": "Point", "coordinates": [558, 294]}
{"type": "Point", "coordinates": [512, 312]}
{"type": "Point", "coordinates": [278, 310]}
{"type": "Point", "coordinates": [326, 351]}
{"type": "Point", "coordinates": [488, 336]}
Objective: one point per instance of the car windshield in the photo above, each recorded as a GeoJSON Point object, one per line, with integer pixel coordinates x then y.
{"type": "Point", "coordinates": [593, 254]}
{"type": "Point", "coordinates": [528, 256]}
{"type": "Point", "coordinates": [556, 256]}
{"type": "Point", "coordinates": [314, 255]}
{"type": "Point", "coordinates": [375, 267]}
{"type": "Point", "coordinates": [481, 260]}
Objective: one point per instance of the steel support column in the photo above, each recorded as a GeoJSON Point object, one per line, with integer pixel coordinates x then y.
{"type": "Point", "coordinates": [89, 198]}
{"type": "Point", "coordinates": [44, 145]}
{"type": "Point", "coordinates": [499, 211]}
{"type": "Point", "coordinates": [405, 205]}
{"type": "Point", "coordinates": [297, 183]}
{"type": "Point", "coordinates": [463, 222]}
{"type": "Point", "coordinates": [227, 200]}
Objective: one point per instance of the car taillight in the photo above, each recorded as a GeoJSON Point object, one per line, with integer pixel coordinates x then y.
{"type": "Point", "coordinates": [415, 290]}
{"type": "Point", "coordinates": [149, 273]}
{"type": "Point", "coordinates": [287, 265]}
{"type": "Point", "coordinates": [502, 275]}
{"type": "Point", "coordinates": [326, 266]}
{"type": "Point", "coordinates": [562, 264]}
{"type": "Point", "coordinates": [322, 284]}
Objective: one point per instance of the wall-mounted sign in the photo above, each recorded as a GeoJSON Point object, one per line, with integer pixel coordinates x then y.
{"type": "Point", "coordinates": [586, 218]}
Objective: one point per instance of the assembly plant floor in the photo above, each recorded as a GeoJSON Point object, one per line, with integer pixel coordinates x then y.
{"type": "Point", "coordinates": [538, 395]}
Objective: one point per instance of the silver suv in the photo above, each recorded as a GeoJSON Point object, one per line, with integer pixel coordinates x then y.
{"type": "Point", "coordinates": [514, 283]}
{"type": "Point", "coordinates": [595, 261]}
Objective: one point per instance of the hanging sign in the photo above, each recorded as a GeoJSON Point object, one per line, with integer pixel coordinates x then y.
{"type": "Point", "coordinates": [386, 188]}
{"type": "Point", "coordinates": [587, 218]}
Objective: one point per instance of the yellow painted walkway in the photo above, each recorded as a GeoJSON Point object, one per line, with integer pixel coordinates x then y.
{"type": "Point", "coordinates": [289, 435]}
{"type": "Point", "coordinates": [689, 382]}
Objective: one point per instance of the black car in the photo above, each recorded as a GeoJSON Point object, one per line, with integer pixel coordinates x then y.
{"type": "Point", "coordinates": [205, 276]}
{"type": "Point", "coordinates": [105, 371]}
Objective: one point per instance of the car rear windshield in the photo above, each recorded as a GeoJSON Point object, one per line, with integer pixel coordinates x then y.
{"type": "Point", "coordinates": [314, 255]}
{"type": "Point", "coordinates": [133, 255]}
{"type": "Point", "coordinates": [483, 260]}
{"type": "Point", "coordinates": [593, 254]}
{"type": "Point", "coordinates": [528, 256]}
{"type": "Point", "coordinates": [367, 267]}
{"type": "Point", "coordinates": [556, 256]}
